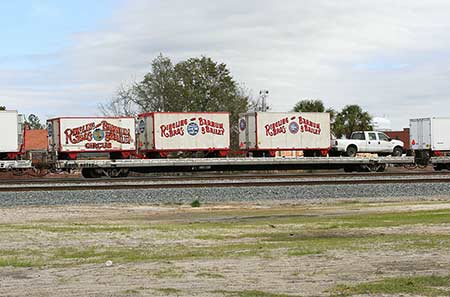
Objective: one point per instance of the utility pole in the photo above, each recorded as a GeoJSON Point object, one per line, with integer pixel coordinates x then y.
{"type": "Point", "coordinates": [262, 101]}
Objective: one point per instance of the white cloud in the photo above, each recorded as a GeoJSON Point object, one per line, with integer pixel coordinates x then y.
{"type": "Point", "coordinates": [390, 57]}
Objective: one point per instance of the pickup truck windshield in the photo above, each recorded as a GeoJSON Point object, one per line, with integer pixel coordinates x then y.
{"type": "Point", "coordinates": [358, 135]}
{"type": "Point", "coordinates": [383, 137]}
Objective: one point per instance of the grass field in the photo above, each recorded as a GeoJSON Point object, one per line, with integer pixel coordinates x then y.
{"type": "Point", "coordinates": [344, 249]}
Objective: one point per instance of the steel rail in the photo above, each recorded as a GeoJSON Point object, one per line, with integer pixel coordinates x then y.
{"type": "Point", "coordinates": [93, 187]}
{"type": "Point", "coordinates": [221, 177]}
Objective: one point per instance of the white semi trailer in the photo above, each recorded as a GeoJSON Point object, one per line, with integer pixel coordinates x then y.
{"type": "Point", "coordinates": [430, 137]}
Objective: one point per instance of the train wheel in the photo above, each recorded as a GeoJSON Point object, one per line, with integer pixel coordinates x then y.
{"type": "Point", "coordinates": [124, 173]}
{"type": "Point", "coordinates": [381, 168]}
{"type": "Point", "coordinates": [86, 173]}
{"type": "Point", "coordinates": [113, 172]}
{"type": "Point", "coordinates": [439, 167]}
{"type": "Point", "coordinates": [116, 172]}
{"type": "Point", "coordinates": [90, 173]}
{"type": "Point", "coordinates": [350, 168]}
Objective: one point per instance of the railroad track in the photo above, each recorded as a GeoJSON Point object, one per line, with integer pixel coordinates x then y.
{"type": "Point", "coordinates": [205, 177]}
{"type": "Point", "coordinates": [130, 184]}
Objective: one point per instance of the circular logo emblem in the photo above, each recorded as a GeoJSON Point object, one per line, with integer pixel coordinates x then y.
{"type": "Point", "coordinates": [294, 127]}
{"type": "Point", "coordinates": [192, 129]}
{"type": "Point", "coordinates": [98, 134]}
{"type": "Point", "coordinates": [242, 124]}
{"type": "Point", "coordinates": [141, 126]}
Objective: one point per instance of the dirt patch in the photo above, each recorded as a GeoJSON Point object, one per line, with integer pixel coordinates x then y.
{"type": "Point", "coordinates": [216, 250]}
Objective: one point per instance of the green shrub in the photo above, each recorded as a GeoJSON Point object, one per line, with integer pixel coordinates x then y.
{"type": "Point", "coordinates": [195, 203]}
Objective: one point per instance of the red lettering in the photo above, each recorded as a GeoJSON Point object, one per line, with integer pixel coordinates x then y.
{"type": "Point", "coordinates": [309, 126]}
{"type": "Point", "coordinates": [173, 129]}
{"type": "Point", "coordinates": [212, 130]}
{"type": "Point", "coordinates": [109, 133]}
{"type": "Point", "coordinates": [277, 127]}
{"type": "Point", "coordinates": [98, 146]}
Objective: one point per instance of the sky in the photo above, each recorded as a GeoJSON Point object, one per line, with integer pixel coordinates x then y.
{"type": "Point", "coordinates": [61, 58]}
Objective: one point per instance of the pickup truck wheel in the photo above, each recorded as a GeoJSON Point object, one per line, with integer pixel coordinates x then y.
{"type": "Point", "coordinates": [397, 152]}
{"type": "Point", "coordinates": [351, 151]}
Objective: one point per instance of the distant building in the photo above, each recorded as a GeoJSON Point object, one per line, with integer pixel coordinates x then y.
{"type": "Point", "coordinates": [36, 145]}
{"type": "Point", "coordinates": [381, 124]}
{"type": "Point", "coordinates": [400, 135]}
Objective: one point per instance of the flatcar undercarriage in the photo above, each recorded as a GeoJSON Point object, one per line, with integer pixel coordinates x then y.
{"type": "Point", "coordinates": [121, 168]}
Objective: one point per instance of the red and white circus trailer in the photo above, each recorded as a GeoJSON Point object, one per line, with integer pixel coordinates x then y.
{"type": "Point", "coordinates": [160, 133]}
{"type": "Point", "coordinates": [265, 133]}
{"type": "Point", "coordinates": [70, 136]}
{"type": "Point", "coordinates": [11, 145]}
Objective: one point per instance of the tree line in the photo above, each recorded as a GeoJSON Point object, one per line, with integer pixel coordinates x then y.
{"type": "Point", "coordinates": [204, 85]}
{"type": "Point", "coordinates": [193, 85]}
{"type": "Point", "coordinates": [201, 84]}
{"type": "Point", "coordinates": [351, 118]}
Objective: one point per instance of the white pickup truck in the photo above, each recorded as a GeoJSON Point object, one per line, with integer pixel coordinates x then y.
{"type": "Point", "coordinates": [367, 142]}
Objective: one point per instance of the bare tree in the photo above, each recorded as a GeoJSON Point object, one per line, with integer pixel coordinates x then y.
{"type": "Point", "coordinates": [124, 104]}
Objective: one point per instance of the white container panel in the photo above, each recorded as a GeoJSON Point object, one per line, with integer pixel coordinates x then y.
{"type": "Point", "coordinates": [292, 131]}
{"type": "Point", "coordinates": [145, 132]}
{"type": "Point", "coordinates": [242, 131]}
{"type": "Point", "coordinates": [247, 131]}
{"type": "Point", "coordinates": [420, 134]}
{"type": "Point", "coordinates": [53, 134]}
{"type": "Point", "coordinates": [440, 134]}
{"type": "Point", "coordinates": [92, 134]}
{"type": "Point", "coordinates": [9, 121]}
{"type": "Point", "coordinates": [188, 131]}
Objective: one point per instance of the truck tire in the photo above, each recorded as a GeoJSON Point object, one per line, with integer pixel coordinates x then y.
{"type": "Point", "coordinates": [335, 154]}
{"type": "Point", "coordinates": [351, 151]}
{"type": "Point", "coordinates": [397, 152]}
{"type": "Point", "coordinates": [311, 153]}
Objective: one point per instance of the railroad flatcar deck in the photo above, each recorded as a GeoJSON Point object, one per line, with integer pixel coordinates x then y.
{"type": "Point", "coordinates": [118, 168]}
{"type": "Point", "coordinates": [15, 164]}
{"type": "Point", "coordinates": [232, 162]}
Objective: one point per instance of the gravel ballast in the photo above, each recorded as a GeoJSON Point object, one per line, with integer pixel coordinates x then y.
{"type": "Point", "coordinates": [372, 192]}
